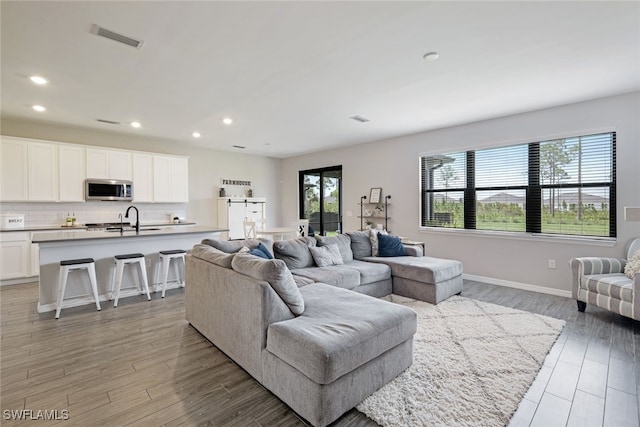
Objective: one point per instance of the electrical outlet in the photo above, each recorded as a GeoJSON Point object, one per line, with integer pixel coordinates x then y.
{"type": "Point", "coordinates": [552, 263]}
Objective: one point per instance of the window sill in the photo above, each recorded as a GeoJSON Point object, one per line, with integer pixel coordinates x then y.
{"type": "Point", "coordinates": [544, 238]}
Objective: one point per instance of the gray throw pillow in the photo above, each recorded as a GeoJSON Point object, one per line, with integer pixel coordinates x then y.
{"type": "Point", "coordinates": [295, 252]}
{"type": "Point", "coordinates": [276, 273]}
{"type": "Point", "coordinates": [324, 256]}
{"type": "Point", "coordinates": [212, 255]}
{"type": "Point", "coordinates": [344, 245]}
{"type": "Point", "coordinates": [360, 244]}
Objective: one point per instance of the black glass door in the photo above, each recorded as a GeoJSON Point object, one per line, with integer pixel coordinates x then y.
{"type": "Point", "coordinates": [320, 199]}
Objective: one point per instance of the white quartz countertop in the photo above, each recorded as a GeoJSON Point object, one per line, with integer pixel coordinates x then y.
{"type": "Point", "coordinates": [145, 231]}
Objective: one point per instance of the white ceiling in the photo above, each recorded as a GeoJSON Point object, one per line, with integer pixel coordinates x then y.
{"type": "Point", "coordinates": [291, 73]}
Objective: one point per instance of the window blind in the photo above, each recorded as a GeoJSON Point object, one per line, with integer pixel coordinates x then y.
{"type": "Point", "coordinates": [562, 186]}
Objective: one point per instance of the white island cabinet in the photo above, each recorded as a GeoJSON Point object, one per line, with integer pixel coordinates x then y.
{"type": "Point", "coordinates": [102, 246]}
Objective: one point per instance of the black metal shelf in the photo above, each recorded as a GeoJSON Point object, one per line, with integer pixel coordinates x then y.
{"type": "Point", "coordinates": [385, 217]}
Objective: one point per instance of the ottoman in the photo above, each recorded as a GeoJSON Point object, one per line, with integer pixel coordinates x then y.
{"type": "Point", "coordinates": [424, 278]}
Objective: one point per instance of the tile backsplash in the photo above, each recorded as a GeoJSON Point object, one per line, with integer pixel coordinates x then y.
{"type": "Point", "coordinates": [37, 214]}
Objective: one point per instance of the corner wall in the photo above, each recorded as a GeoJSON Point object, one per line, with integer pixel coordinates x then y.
{"type": "Point", "coordinates": [514, 261]}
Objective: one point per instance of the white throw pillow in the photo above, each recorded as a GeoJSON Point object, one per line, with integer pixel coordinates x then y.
{"type": "Point", "coordinates": [633, 265]}
{"type": "Point", "coordinates": [373, 237]}
{"type": "Point", "coordinates": [325, 256]}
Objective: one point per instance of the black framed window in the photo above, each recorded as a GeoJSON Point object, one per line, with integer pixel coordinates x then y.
{"type": "Point", "coordinates": [562, 186]}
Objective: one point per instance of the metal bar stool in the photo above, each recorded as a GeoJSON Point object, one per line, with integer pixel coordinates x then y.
{"type": "Point", "coordinates": [166, 257]}
{"type": "Point", "coordinates": [76, 264]}
{"type": "Point", "coordinates": [120, 262]}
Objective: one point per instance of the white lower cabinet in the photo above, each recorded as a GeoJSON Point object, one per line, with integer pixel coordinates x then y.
{"type": "Point", "coordinates": [19, 257]}
{"type": "Point", "coordinates": [15, 254]}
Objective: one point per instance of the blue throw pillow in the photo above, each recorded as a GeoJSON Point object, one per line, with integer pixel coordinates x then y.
{"type": "Point", "coordinates": [261, 251]}
{"type": "Point", "coordinates": [390, 246]}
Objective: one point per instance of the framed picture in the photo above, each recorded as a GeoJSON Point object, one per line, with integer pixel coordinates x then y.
{"type": "Point", "coordinates": [374, 196]}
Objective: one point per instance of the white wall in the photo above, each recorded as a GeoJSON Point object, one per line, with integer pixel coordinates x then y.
{"type": "Point", "coordinates": [206, 168]}
{"type": "Point", "coordinates": [393, 165]}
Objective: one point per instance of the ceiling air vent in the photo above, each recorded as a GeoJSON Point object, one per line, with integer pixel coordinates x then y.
{"type": "Point", "coordinates": [103, 32]}
{"type": "Point", "coordinates": [359, 119]}
{"type": "Point", "coordinates": [111, 122]}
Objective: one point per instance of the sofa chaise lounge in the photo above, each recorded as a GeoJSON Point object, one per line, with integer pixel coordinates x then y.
{"type": "Point", "coordinates": [314, 336]}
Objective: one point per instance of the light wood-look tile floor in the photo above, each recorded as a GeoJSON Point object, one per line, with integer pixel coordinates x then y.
{"type": "Point", "coordinates": [141, 364]}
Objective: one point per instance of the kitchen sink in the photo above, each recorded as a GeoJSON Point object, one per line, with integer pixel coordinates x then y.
{"type": "Point", "coordinates": [128, 230]}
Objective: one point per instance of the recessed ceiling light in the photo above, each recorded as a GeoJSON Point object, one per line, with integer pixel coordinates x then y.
{"type": "Point", "coordinates": [196, 134]}
{"type": "Point", "coordinates": [430, 56]}
{"type": "Point", "coordinates": [39, 80]}
{"type": "Point", "coordinates": [39, 108]}
{"type": "Point", "coordinates": [227, 121]}
{"type": "Point", "coordinates": [135, 124]}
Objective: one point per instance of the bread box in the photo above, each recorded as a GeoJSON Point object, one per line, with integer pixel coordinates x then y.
{"type": "Point", "coordinates": [11, 220]}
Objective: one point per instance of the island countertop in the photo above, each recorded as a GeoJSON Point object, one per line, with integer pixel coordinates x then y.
{"type": "Point", "coordinates": [102, 246]}
{"type": "Point", "coordinates": [145, 231]}
{"type": "Point", "coordinates": [43, 228]}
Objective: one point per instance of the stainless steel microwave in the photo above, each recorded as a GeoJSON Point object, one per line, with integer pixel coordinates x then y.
{"type": "Point", "coordinates": [108, 189]}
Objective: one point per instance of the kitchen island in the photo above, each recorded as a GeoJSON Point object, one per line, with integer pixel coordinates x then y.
{"type": "Point", "coordinates": [102, 246]}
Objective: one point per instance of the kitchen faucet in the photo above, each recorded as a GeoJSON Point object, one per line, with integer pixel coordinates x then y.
{"type": "Point", "coordinates": [126, 215]}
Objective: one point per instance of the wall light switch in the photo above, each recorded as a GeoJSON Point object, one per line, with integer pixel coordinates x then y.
{"type": "Point", "coordinates": [552, 263]}
{"type": "Point", "coordinates": [349, 213]}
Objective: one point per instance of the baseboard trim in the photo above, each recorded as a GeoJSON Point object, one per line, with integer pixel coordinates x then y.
{"type": "Point", "coordinates": [518, 285]}
{"type": "Point", "coordinates": [19, 280]}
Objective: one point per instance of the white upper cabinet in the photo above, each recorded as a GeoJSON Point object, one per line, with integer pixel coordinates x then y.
{"type": "Point", "coordinates": [170, 179]}
{"type": "Point", "coordinates": [180, 180]}
{"type": "Point", "coordinates": [71, 173]}
{"type": "Point", "coordinates": [47, 171]}
{"type": "Point", "coordinates": [29, 170]}
{"type": "Point", "coordinates": [108, 164]}
{"type": "Point", "coordinates": [43, 171]}
{"type": "Point", "coordinates": [142, 177]}
{"type": "Point", "coordinates": [13, 171]}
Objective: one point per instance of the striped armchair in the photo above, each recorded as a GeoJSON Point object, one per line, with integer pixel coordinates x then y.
{"type": "Point", "coordinates": [602, 282]}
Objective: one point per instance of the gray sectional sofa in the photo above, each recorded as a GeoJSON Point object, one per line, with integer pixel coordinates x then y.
{"type": "Point", "coordinates": [315, 336]}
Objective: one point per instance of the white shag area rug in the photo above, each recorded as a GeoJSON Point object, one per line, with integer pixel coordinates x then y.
{"type": "Point", "coordinates": [472, 364]}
